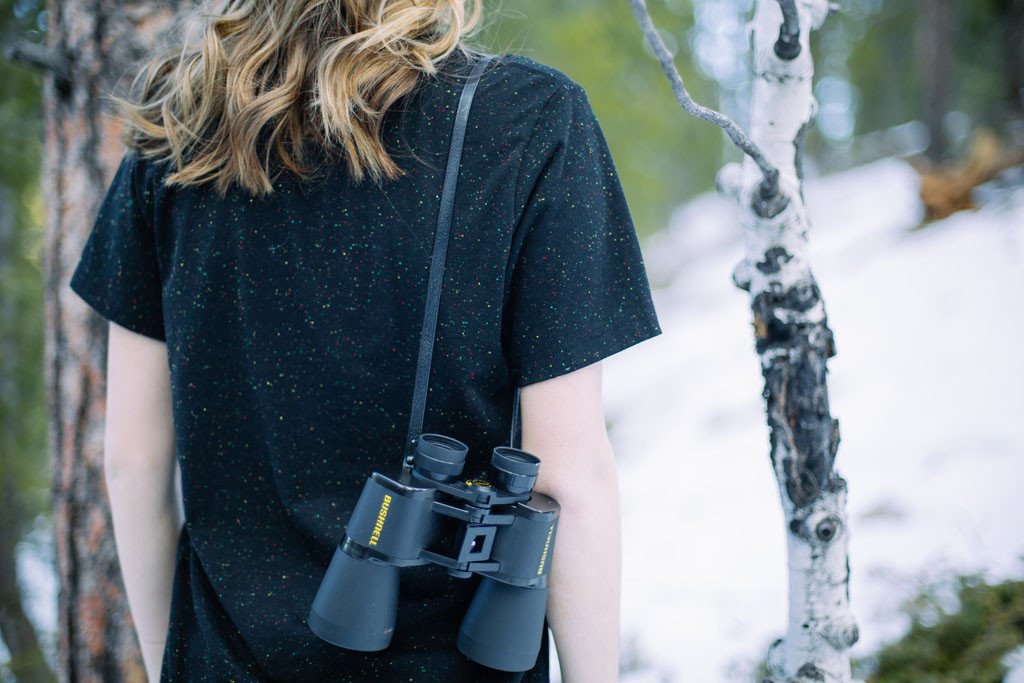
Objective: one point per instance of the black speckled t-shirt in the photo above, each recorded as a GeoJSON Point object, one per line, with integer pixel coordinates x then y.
{"type": "Point", "coordinates": [292, 328]}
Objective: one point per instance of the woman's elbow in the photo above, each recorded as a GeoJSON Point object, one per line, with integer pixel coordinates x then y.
{"type": "Point", "coordinates": [588, 476]}
{"type": "Point", "coordinates": [564, 426]}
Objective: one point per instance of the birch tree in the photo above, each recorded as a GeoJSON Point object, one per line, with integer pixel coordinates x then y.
{"type": "Point", "coordinates": [91, 49]}
{"type": "Point", "coordinates": [791, 332]}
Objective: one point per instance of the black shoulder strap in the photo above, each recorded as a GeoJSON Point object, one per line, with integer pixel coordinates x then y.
{"type": "Point", "coordinates": [444, 221]}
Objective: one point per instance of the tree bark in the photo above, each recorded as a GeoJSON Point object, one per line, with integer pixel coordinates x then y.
{"type": "Point", "coordinates": [935, 66]}
{"type": "Point", "coordinates": [792, 335]}
{"type": "Point", "coordinates": [794, 342]}
{"type": "Point", "coordinates": [99, 42]}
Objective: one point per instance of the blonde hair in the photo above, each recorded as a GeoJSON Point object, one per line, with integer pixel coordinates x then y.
{"type": "Point", "coordinates": [285, 71]}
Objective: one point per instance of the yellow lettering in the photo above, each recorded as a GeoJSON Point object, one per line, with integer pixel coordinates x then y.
{"type": "Point", "coordinates": [381, 516]}
{"type": "Point", "coordinates": [547, 546]}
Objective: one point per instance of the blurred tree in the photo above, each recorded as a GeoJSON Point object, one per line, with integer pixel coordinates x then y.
{"type": "Point", "coordinates": [22, 418]}
{"type": "Point", "coordinates": [991, 61]}
{"type": "Point", "coordinates": [90, 49]}
{"type": "Point", "coordinates": [866, 44]}
{"type": "Point", "coordinates": [963, 69]}
{"type": "Point", "coordinates": [21, 440]}
{"type": "Point", "coordinates": [935, 30]}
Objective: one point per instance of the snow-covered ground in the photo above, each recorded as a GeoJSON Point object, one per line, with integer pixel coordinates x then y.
{"type": "Point", "coordinates": [928, 386]}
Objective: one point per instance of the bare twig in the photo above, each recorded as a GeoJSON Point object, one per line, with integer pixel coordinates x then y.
{"type": "Point", "coordinates": [38, 57]}
{"type": "Point", "coordinates": [788, 45]}
{"type": "Point", "coordinates": [770, 184]}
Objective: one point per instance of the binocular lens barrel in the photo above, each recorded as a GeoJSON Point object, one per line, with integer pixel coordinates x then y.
{"type": "Point", "coordinates": [357, 603]}
{"type": "Point", "coordinates": [440, 457]}
{"type": "Point", "coordinates": [504, 625]}
{"type": "Point", "coordinates": [515, 470]}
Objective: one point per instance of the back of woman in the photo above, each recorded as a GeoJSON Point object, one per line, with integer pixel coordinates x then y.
{"type": "Point", "coordinates": [283, 264]}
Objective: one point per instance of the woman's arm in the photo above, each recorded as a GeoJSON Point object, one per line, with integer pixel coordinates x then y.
{"type": "Point", "coordinates": [139, 464]}
{"type": "Point", "coordinates": [563, 425]}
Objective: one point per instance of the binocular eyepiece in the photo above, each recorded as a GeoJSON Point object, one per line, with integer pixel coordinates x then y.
{"type": "Point", "coordinates": [441, 458]}
{"type": "Point", "coordinates": [495, 527]}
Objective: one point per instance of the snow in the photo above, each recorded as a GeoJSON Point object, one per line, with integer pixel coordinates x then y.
{"type": "Point", "coordinates": [1014, 662]}
{"type": "Point", "coordinates": [927, 386]}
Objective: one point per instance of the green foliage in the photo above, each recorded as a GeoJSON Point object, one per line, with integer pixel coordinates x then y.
{"type": "Point", "coordinates": [881, 63]}
{"type": "Point", "coordinates": [663, 155]}
{"type": "Point", "coordinates": [23, 454]}
{"type": "Point", "coordinates": [23, 437]}
{"type": "Point", "coordinates": [990, 60]}
{"type": "Point", "coordinates": [961, 645]}
{"type": "Point", "coordinates": [20, 87]}
{"type": "Point", "coordinates": [882, 41]}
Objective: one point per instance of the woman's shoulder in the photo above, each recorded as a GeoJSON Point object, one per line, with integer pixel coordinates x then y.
{"type": "Point", "coordinates": [528, 78]}
{"type": "Point", "coordinates": [512, 78]}
{"type": "Point", "coordinates": [528, 70]}
{"type": "Point", "coordinates": [522, 89]}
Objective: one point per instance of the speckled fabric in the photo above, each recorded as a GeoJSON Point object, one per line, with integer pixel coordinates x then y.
{"type": "Point", "coordinates": [292, 324]}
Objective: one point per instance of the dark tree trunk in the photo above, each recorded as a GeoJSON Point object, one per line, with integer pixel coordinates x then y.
{"type": "Point", "coordinates": [98, 42]}
{"type": "Point", "coordinates": [1013, 53]}
{"type": "Point", "coordinates": [935, 64]}
{"type": "Point", "coordinates": [27, 662]}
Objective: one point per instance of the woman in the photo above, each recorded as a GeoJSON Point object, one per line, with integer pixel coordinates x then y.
{"type": "Point", "coordinates": [261, 255]}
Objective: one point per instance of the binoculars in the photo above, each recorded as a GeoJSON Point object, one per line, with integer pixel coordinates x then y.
{"type": "Point", "coordinates": [496, 528]}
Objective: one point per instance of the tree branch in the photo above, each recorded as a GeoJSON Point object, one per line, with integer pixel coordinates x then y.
{"type": "Point", "coordinates": [770, 185]}
{"type": "Point", "coordinates": [38, 57]}
{"type": "Point", "coordinates": [787, 47]}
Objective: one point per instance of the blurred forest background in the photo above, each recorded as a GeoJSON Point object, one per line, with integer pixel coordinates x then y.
{"type": "Point", "coordinates": [912, 78]}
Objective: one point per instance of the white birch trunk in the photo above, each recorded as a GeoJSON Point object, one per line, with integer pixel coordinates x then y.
{"type": "Point", "coordinates": [791, 331]}
{"type": "Point", "coordinates": [794, 342]}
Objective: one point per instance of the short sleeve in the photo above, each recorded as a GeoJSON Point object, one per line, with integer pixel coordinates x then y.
{"type": "Point", "coordinates": [118, 273]}
{"type": "Point", "coordinates": [578, 289]}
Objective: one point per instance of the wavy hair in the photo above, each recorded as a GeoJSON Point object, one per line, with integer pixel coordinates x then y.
{"type": "Point", "coordinates": [271, 75]}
